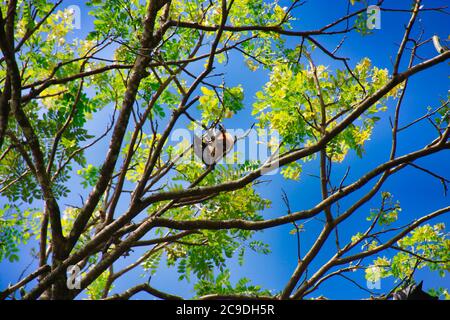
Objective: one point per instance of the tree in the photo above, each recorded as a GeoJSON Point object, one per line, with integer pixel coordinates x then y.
{"type": "Point", "coordinates": [155, 68]}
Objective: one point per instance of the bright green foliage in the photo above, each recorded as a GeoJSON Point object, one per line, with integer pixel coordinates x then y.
{"type": "Point", "coordinates": [428, 246]}
{"type": "Point", "coordinates": [68, 217]}
{"type": "Point", "coordinates": [16, 228]}
{"type": "Point", "coordinates": [213, 106]}
{"type": "Point", "coordinates": [442, 117]}
{"type": "Point", "coordinates": [292, 171]}
{"type": "Point", "coordinates": [95, 290]}
{"type": "Point", "coordinates": [151, 264]}
{"type": "Point", "coordinates": [12, 168]}
{"type": "Point", "coordinates": [357, 237]}
{"type": "Point", "coordinates": [89, 174]}
{"type": "Point", "coordinates": [290, 105]}
{"type": "Point", "coordinates": [211, 249]}
{"type": "Point", "coordinates": [388, 213]}
{"type": "Point", "coordinates": [440, 292]}
{"type": "Point", "coordinates": [221, 285]}
{"type": "Point", "coordinates": [50, 54]}
{"type": "Point", "coordinates": [139, 157]}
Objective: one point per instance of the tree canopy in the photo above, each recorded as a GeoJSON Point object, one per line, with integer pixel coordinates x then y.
{"type": "Point", "coordinates": [97, 162]}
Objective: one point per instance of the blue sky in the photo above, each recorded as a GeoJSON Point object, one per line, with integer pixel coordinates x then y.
{"type": "Point", "coordinates": [417, 192]}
